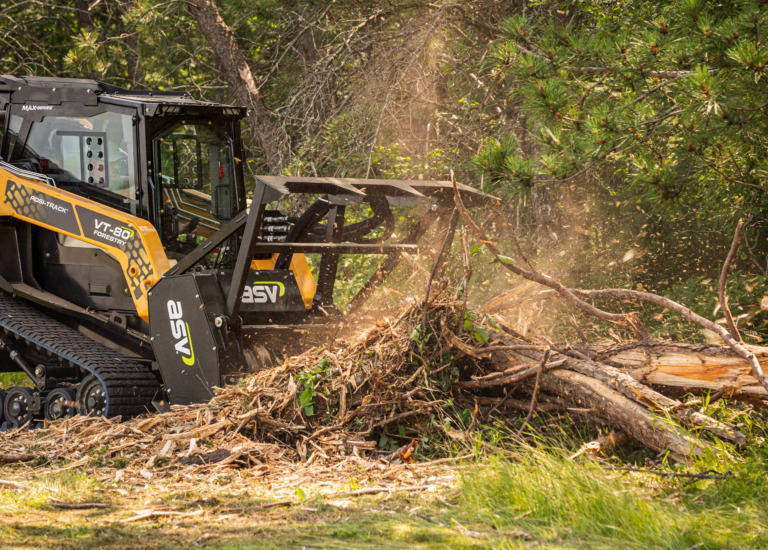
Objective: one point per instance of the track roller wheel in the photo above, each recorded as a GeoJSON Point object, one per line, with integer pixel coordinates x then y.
{"type": "Point", "coordinates": [60, 403]}
{"type": "Point", "coordinates": [16, 406]}
{"type": "Point", "coordinates": [92, 397]}
{"type": "Point", "coordinates": [2, 404]}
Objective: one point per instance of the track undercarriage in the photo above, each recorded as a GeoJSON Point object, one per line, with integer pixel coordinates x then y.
{"type": "Point", "coordinates": [72, 373]}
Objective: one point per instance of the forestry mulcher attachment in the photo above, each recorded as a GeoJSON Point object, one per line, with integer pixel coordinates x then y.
{"type": "Point", "coordinates": [132, 270]}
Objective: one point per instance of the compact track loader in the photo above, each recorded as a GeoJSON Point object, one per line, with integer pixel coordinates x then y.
{"type": "Point", "coordinates": [135, 271]}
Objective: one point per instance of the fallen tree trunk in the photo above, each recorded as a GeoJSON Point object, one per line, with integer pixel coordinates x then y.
{"type": "Point", "coordinates": [596, 388]}
{"type": "Point", "coordinates": [628, 386]}
{"type": "Point", "coordinates": [659, 403]}
{"type": "Point", "coordinates": [689, 367]}
{"type": "Point", "coordinates": [623, 413]}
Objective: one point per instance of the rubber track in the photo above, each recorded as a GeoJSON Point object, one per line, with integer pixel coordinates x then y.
{"type": "Point", "coordinates": [130, 385]}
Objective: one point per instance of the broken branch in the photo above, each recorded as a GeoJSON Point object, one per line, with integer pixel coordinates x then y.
{"type": "Point", "coordinates": [732, 328]}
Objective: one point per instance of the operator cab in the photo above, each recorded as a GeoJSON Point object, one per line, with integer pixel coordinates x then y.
{"type": "Point", "coordinates": [196, 178]}
{"type": "Point", "coordinates": [161, 156]}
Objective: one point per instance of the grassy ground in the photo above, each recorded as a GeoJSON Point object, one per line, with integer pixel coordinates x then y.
{"type": "Point", "coordinates": [584, 504]}
{"type": "Point", "coordinates": [534, 494]}
{"type": "Point", "coordinates": [226, 521]}
{"type": "Point", "coordinates": [313, 527]}
{"type": "Point", "coordinates": [559, 502]}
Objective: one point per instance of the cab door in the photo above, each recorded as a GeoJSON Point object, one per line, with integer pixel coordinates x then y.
{"type": "Point", "coordinates": [196, 184]}
{"type": "Point", "coordinates": [4, 101]}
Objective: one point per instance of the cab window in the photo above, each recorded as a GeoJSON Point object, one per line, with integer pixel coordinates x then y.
{"type": "Point", "coordinates": [2, 125]}
{"type": "Point", "coordinates": [14, 126]}
{"type": "Point", "coordinates": [197, 183]}
{"type": "Point", "coordinates": [92, 156]}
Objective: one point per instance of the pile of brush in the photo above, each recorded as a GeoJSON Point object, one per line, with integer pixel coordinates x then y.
{"type": "Point", "coordinates": [429, 374]}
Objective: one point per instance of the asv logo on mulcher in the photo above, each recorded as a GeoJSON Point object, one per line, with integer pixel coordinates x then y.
{"type": "Point", "coordinates": [263, 292]}
{"type": "Point", "coordinates": [181, 335]}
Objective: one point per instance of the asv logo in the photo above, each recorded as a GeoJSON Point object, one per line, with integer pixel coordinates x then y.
{"type": "Point", "coordinates": [263, 292]}
{"type": "Point", "coordinates": [180, 331]}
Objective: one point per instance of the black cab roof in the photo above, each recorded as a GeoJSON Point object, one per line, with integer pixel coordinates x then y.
{"type": "Point", "coordinates": [54, 91]}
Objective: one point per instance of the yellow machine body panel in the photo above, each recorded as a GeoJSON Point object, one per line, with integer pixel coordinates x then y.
{"type": "Point", "coordinates": [132, 241]}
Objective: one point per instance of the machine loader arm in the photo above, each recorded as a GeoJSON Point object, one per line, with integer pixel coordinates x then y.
{"type": "Point", "coordinates": [132, 241]}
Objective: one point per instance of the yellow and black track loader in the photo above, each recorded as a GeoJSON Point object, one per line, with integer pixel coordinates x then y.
{"type": "Point", "coordinates": [134, 271]}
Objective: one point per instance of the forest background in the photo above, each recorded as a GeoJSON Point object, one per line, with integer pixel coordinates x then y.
{"type": "Point", "coordinates": [625, 139]}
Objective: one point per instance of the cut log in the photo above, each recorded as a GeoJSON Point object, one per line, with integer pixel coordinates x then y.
{"type": "Point", "coordinates": [630, 388]}
{"type": "Point", "coordinates": [623, 412]}
{"type": "Point", "coordinates": [690, 367]}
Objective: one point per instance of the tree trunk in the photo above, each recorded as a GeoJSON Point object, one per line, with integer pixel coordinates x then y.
{"type": "Point", "coordinates": [235, 69]}
{"type": "Point", "coordinates": [661, 404]}
{"type": "Point", "coordinates": [689, 367]}
{"type": "Point", "coordinates": [83, 15]}
{"type": "Point", "coordinates": [597, 389]}
{"type": "Point", "coordinates": [591, 395]}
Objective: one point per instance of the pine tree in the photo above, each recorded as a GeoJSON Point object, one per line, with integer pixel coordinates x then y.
{"type": "Point", "coordinates": [672, 95]}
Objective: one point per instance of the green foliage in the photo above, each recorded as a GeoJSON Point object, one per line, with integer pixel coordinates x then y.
{"type": "Point", "coordinates": [500, 159]}
{"type": "Point", "coordinates": [479, 333]}
{"type": "Point", "coordinates": [419, 336]}
{"type": "Point", "coordinates": [307, 379]}
{"type": "Point", "coordinates": [677, 107]}
{"type": "Point", "coordinates": [653, 116]}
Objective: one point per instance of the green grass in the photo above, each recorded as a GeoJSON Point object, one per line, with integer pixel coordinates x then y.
{"type": "Point", "coordinates": [8, 379]}
{"type": "Point", "coordinates": [371, 523]}
{"type": "Point", "coordinates": [533, 488]}
{"type": "Point", "coordinates": [584, 504]}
